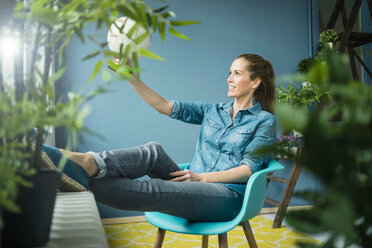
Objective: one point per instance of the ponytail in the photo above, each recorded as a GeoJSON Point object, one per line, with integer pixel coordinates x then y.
{"type": "Point", "coordinates": [261, 68]}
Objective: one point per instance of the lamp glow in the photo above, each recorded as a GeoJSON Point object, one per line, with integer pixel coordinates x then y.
{"type": "Point", "coordinates": [9, 48]}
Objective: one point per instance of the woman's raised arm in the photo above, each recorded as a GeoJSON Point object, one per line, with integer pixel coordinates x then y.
{"type": "Point", "coordinates": [151, 97]}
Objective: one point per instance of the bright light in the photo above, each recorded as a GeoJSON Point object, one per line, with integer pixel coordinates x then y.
{"type": "Point", "coordinates": [9, 48]}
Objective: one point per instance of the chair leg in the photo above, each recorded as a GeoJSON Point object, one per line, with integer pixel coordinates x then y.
{"type": "Point", "coordinates": [159, 238]}
{"type": "Point", "coordinates": [249, 234]}
{"type": "Point", "coordinates": [222, 240]}
{"type": "Point", "coordinates": [205, 241]}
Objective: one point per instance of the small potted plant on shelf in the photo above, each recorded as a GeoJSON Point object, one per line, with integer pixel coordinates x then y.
{"type": "Point", "coordinates": [287, 146]}
{"type": "Point", "coordinates": [304, 65]}
{"type": "Point", "coordinates": [328, 37]}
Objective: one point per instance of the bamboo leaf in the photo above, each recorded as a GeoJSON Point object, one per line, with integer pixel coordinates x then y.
{"type": "Point", "coordinates": [57, 75]}
{"type": "Point", "coordinates": [168, 14]}
{"type": "Point", "coordinates": [132, 30]}
{"type": "Point", "coordinates": [183, 23]}
{"type": "Point", "coordinates": [45, 15]}
{"type": "Point", "coordinates": [114, 67]}
{"type": "Point", "coordinates": [106, 76]}
{"type": "Point", "coordinates": [141, 38]}
{"type": "Point", "coordinates": [177, 34]}
{"type": "Point", "coordinates": [97, 67]}
{"type": "Point", "coordinates": [103, 44]}
{"type": "Point", "coordinates": [154, 20]}
{"type": "Point", "coordinates": [149, 54]}
{"type": "Point", "coordinates": [142, 14]}
{"type": "Point", "coordinates": [79, 34]}
{"type": "Point", "coordinates": [161, 9]}
{"type": "Point", "coordinates": [128, 11]}
{"type": "Point", "coordinates": [92, 55]}
{"type": "Point", "coordinates": [126, 50]}
{"type": "Point", "coordinates": [135, 62]}
{"type": "Point", "coordinates": [162, 30]}
{"type": "Point", "coordinates": [71, 6]}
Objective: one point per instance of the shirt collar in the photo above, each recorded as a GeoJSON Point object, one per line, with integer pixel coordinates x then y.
{"type": "Point", "coordinates": [255, 109]}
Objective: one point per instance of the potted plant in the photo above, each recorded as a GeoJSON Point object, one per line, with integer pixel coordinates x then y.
{"type": "Point", "coordinates": [287, 146]}
{"type": "Point", "coordinates": [328, 37]}
{"type": "Point", "coordinates": [304, 65]}
{"type": "Point", "coordinates": [28, 107]}
{"type": "Point", "coordinates": [303, 97]}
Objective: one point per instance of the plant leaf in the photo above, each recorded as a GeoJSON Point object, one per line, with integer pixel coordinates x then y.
{"type": "Point", "coordinates": [92, 55]}
{"type": "Point", "coordinates": [128, 11]}
{"type": "Point", "coordinates": [97, 67]}
{"type": "Point", "coordinates": [176, 33]}
{"type": "Point", "coordinates": [161, 9]}
{"type": "Point", "coordinates": [183, 23]}
{"type": "Point", "coordinates": [291, 117]}
{"type": "Point", "coordinates": [45, 15]}
{"type": "Point", "coordinates": [141, 38]}
{"type": "Point", "coordinates": [149, 54]}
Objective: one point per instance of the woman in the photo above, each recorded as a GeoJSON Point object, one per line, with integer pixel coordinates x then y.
{"type": "Point", "coordinates": [212, 188]}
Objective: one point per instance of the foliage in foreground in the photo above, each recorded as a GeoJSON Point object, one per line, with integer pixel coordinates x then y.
{"type": "Point", "coordinates": [28, 106]}
{"type": "Point", "coordinates": [338, 150]}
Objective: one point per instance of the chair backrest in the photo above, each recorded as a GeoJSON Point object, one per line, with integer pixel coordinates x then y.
{"type": "Point", "coordinates": [255, 192]}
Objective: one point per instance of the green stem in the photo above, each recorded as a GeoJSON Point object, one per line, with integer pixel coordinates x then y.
{"type": "Point", "coordinates": [31, 83]}
{"type": "Point", "coordinates": [47, 60]}
{"type": "Point", "coordinates": [37, 153]}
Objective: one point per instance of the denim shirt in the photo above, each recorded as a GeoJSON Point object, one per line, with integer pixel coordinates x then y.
{"type": "Point", "coordinates": [224, 143]}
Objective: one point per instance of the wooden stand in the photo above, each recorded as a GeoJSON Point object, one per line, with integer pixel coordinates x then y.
{"type": "Point", "coordinates": [291, 184]}
{"type": "Point", "coordinates": [349, 39]}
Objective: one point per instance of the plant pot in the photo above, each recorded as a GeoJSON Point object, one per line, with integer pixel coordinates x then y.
{"type": "Point", "coordinates": [293, 151]}
{"type": "Point", "coordinates": [31, 227]}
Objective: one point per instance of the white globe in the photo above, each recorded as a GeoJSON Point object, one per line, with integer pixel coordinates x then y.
{"type": "Point", "coordinates": [115, 38]}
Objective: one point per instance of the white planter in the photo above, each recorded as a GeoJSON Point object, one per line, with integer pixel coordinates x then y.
{"type": "Point", "coordinates": [293, 151]}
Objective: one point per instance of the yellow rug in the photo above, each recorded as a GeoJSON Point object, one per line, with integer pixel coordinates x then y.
{"type": "Point", "coordinates": [142, 235]}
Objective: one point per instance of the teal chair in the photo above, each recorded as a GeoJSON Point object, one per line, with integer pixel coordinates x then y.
{"type": "Point", "coordinates": [253, 201]}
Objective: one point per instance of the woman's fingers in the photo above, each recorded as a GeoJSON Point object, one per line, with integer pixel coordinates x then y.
{"type": "Point", "coordinates": [180, 176]}
{"type": "Point", "coordinates": [178, 173]}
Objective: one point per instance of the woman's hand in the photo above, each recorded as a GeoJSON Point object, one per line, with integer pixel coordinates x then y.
{"type": "Point", "coordinates": [187, 176]}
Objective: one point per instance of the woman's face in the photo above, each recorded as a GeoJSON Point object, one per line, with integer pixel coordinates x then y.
{"type": "Point", "coordinates": [239, 81]}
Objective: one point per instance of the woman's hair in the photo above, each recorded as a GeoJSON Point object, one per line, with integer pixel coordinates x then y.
{"type": "Point", "coordinates": [258, 67]}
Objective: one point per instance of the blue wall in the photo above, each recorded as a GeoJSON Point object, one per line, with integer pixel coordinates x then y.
{"type": "Point", "coordinates": [280, 31]}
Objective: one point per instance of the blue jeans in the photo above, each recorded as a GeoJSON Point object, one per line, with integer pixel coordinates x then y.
{"type": "Point", "coordinates": [116, 186]}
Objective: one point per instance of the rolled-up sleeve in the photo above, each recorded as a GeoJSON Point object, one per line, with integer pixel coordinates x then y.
{"type": "Point", "coordinates": [264, 135]}
{"type": "Point", "coordinates": [189, 112]}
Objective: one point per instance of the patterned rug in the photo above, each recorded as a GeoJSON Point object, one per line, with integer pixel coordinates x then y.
{"type": "Point", "coordinates": [142, 235]}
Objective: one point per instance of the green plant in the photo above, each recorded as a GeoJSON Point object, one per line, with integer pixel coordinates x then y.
{"type": "Point", "coordinates": [328, 35]}
{"type": "Point", "coordinates": [338, 150]}
{"type": "Point", "coordinates": [304, 97]}
{"type": "Point", "coordinates": [304, 65]}
{"type": "Point", "coordinates": [28, 106]}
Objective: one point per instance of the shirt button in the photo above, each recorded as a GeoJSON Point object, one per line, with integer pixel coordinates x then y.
{"type": "Point", "coordinates": [218, 153]}
{"type": "Point", "coordinates": [216, 140]}
{"type": "Point", "coordinates": [211, 124]}
{"type": "Point", "coordinates": [208, 169]}
{"type": "Point", "coordinates": [213, 163]}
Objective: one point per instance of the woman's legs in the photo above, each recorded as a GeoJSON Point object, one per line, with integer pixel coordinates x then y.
{"type": "Point", "coordinates": [194, 201]}
{"type": "Point", "coordinates": [115, 186]}
{"type": "Point", "coordinates": [149, 159]}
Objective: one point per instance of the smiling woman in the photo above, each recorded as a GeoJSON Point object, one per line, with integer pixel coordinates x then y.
{"type": "Point", "coordinates": [225, 156]}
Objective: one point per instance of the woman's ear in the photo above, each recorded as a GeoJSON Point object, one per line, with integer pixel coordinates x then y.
{"type": "Point", "coordinates": [256, 82]}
